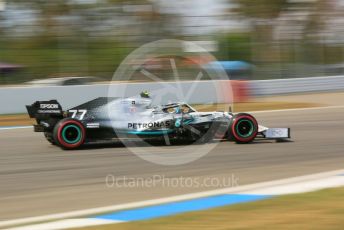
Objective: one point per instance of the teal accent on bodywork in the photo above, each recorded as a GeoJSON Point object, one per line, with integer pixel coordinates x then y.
{"type": "Point", "coordinates": [64, 134]}
{"type": "Point", "coordinates": [158, 132]}
{"type": "Point", "coordinates": [178, 123]}
{"type": "Point", "coordinates": [188, 121]}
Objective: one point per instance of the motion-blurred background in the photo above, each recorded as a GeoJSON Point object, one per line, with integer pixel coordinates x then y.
{"type": "Point", "coordinates": [260, 39]}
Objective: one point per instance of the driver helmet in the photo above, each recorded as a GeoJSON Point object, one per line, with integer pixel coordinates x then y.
{"type": "Point", "coordinates": [144, 94]}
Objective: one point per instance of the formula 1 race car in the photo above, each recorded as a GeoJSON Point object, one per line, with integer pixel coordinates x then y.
{"type": "Point", "coordinates": [107, 118]}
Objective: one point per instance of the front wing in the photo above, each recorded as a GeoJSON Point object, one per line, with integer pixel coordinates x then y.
{"type": "Point", "coordinates": [274, 133]}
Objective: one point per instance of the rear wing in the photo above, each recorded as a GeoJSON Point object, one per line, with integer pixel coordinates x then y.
{"type": "Point", "coordinates": [44, 109]}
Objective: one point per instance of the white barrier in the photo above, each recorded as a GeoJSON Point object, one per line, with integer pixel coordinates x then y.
{"type": "Point", "coordinates": [296, 85]}
{"type": "Point", "coordinates": [14, 99]}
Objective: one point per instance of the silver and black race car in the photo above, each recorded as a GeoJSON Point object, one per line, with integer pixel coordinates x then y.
{"type": "Point", "coordinates": [105, 118]}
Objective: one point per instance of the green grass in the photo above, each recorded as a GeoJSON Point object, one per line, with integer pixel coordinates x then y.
{"type": "Point", "coordinates": [316, 210]}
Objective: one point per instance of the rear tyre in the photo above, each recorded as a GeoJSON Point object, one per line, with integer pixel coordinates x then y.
{"type": "Point", "coordinates": [69, 133]}
{"type": "Point", "coordinates": [243, 128]}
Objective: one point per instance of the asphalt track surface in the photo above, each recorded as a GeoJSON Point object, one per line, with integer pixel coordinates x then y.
{"type": "Point", "coordinates": [37, 178]}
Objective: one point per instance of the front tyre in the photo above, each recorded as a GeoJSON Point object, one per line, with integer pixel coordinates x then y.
{"type": "Point", "coordinates": [69, 133]}
{"type": "Point", "coordinates": [243, 128]}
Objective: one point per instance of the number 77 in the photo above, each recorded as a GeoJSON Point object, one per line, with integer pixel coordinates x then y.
{"type": "Point", "coordinates": [75, 112]}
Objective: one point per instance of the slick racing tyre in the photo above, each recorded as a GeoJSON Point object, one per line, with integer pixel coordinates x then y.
{"type": "Point", "coordinates": [69, 133]}
{"type": "Point", "coordinates": [243, 128]}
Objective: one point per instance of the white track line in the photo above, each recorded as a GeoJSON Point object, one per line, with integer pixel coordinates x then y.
{"type": "Point", "coordinates": [69, 223]}
{"type": "Point", "coordinates": [14, 127]}
{"type": "Point", "coordinates": [298, 109]}
{"type": "Point", "coordinates": [300, 187]}
{"type": "Point", "coordinates": [239, 189]}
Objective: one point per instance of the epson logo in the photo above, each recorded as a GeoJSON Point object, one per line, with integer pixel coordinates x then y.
{"type": "Point", "coordinates": [49, 106]}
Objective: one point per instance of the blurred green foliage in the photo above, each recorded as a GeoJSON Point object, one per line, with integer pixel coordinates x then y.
{"type": "Point", "coordinates": [63, 43]}
{"type": "Point", "coordinates": [263, 9]}
{"type": "Point", "coordinates": [235, 46]}
{"type": "Point", "coordinates": [50, 57]}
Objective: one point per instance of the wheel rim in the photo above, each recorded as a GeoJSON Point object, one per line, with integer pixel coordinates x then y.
{"type": "Point", "coordinates": [245, 128]}
{"type": "Point", "coordinates": [71, 134]}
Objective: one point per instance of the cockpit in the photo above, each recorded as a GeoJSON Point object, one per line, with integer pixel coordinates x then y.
{"type": "Point", "coordinates": [178, 108]}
